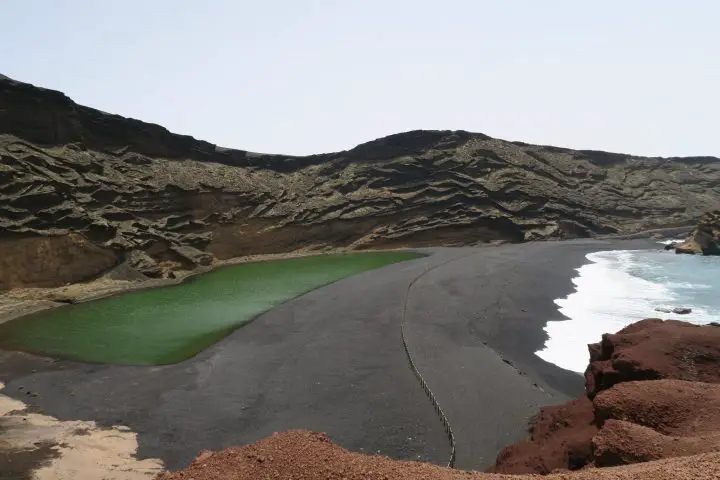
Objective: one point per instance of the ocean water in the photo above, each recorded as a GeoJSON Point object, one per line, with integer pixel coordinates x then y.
{"type": "Point", "coordinates": [616, 288]}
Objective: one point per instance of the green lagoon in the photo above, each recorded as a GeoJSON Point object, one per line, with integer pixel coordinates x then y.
{"type": "Point", "coordinates": [169, 324]}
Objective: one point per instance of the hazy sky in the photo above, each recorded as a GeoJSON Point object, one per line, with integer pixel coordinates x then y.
{"type": "Point", "coordinates": [310, 76]}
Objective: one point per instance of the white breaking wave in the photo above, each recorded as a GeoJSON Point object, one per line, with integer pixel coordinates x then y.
{"type": "Point", "coordinates": [688, 286]}
{"type": "Point", "coordinates": [608, 297]}
{"type": "Point", "coordinates": [668, 242]}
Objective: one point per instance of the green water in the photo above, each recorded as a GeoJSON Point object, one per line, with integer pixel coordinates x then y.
{"type": "Point", "coordinates": [170, 324]}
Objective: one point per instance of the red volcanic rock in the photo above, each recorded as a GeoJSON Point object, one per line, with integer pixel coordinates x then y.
{"type": "Point", "coordinates": [668, 406]}
{"type": "Point", "coordinates": [654, 349]}
{"type": "Point", "coordinates": [623, 443]}
{"type": "Point", "coordinates": [644, 421]}
{"type": "Point", "coordinates": [560, 439]}
{"type": "Point", "coordinates": [655, 393]}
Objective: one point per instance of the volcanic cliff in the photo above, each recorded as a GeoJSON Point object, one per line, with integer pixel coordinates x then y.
{"type": "Point", "coordinates": [82, 191]}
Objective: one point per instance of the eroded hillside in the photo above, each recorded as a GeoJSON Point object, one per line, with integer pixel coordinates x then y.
{"type": "Point", "coordinates": [82, 190]}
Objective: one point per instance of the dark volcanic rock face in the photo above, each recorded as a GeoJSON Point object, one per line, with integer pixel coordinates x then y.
{"type": "Point", "coordinates": [127, 186]}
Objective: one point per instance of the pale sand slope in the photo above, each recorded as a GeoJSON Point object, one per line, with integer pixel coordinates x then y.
{"type": "Point", "coordinates": [79, 450]}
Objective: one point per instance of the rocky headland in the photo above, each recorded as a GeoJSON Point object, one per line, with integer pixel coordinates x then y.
{"type": "Point", "coordinates": [651, 411]}
{"type": "Point", "coordinates": [652, 391]}
{"type": "Point", "coordinates": [704, 239]}
{"type": "Point", "coordinates": [83, 192]}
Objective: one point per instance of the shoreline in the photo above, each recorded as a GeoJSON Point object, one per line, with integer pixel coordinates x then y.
{"type": "Point", "coordinates": [474, 328]}
{"type": "Point", "coordinates": [243, 321]}
{"type": "Point", "coordinates": [22, 302]}
{"type": "Point", "coordinates": [615, 288]}
{"type": "Point", "coordinates": [366, 398]}
{"type": "Point", "coordinates": [661, 233]}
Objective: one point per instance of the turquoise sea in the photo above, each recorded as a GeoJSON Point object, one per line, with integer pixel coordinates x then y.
{"type": "Point", "coordinates": [618, 287]}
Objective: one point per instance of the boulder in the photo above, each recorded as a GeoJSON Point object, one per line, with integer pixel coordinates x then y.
{"type": "Point", "coordinates": [622, 443]}
{"type": "Point", "coordinates": [676, 310]}
{"type": "Point", "coordinates": [559, 439]}
{"type": "Point", "coordinates": [145, 264]}
{"type": "Point", "coordinates": [669, 406]}
{"type": "Point", "coordinates": [654, 349]}
{"type": "Point", "coordinates": [705, 239]}
{"type": "Point", "coordinates": [193, 255]}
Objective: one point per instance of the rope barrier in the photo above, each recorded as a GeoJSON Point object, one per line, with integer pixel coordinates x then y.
{"type": "Point", "coordinates": [416, 371]}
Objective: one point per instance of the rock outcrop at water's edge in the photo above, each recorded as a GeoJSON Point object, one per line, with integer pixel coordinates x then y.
{"type": "Point", "coordinates": [654, 349]}
{"type": "Point", "coordinates": [705, 239]}
{"type": "Point", "coordinates": [134, 192]}
{"type": "Point", "coordinates": [652, 413]}
{"type": "Point", "coordinates": [652, 391]}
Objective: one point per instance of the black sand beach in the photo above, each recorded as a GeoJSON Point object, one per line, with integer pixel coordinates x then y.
{"type": "Point", "coordinates": [332, 361]}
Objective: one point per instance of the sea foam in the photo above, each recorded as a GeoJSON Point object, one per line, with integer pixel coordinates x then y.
{"type": "Point", "coordinates": [671, 241]}
{"type": "Point", "coordinates": [620, 287]}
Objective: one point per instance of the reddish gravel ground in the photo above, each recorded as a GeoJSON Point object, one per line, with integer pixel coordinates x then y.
{"type": "Point", "coordinates": [301, 455]}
